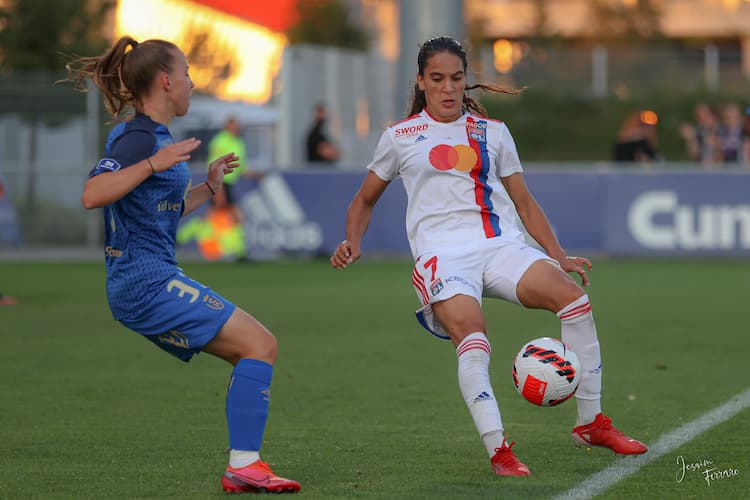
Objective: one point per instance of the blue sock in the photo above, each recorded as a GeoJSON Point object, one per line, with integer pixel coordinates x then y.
{"type": "Point", "coordinates": [247, 404]}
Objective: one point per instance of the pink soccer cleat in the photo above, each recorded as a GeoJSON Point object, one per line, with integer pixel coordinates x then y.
{"type": "Point", "coordinates": [256, 478]}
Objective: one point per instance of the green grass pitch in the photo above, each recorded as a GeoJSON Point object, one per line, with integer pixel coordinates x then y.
{"type": "Point", "coordinates": [364, 403]}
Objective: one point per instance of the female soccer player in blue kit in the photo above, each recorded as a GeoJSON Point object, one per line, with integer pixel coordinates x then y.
{"type": "Point", "coordinates": [144, 186]}
{"type": "Point", "coordinates": [465, 186]}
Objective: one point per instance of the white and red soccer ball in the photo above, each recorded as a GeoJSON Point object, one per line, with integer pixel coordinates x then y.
{"type": "Point", "coordinates": [546, 372]}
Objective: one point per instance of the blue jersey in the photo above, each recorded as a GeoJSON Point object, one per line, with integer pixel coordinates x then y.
{"type": "Point", "coordinates": [140, 228]}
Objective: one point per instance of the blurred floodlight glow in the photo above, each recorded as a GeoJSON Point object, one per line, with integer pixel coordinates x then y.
{"type": "Point", "coordinates": [503, 51]}
{"type": "Point", "coordinates": [507, 54]}
{"type": "Point", "coordinates": [254, 51]}
{"type": "Point", "coordinates": [649, 117]}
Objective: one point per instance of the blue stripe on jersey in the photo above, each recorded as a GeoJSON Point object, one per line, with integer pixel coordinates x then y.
{"type": "Point", "coordinates": [494, 219]}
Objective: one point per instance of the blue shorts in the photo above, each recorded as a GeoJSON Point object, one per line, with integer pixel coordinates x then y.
{"type": "Point", "coordinates": [183, 317]}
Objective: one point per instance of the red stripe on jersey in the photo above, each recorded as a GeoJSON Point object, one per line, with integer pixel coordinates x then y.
{"type": "Point", "coordinates": [479, 194]}
{"type": "Point", "coordinates": [577, 311]}
{"type": "Point", "coordinates": [474, 344]}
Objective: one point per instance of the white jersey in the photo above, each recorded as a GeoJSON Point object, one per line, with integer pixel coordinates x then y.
{"type": "Point", "coordinates": [451, 173]}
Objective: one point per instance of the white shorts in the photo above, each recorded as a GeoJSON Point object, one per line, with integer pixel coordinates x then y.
{"type": "Point", "coordinates": [491, 268]}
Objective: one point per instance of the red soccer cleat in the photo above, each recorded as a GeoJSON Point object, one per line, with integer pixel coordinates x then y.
{"type": "Point", "coordinates": [600, 432]}
{"type": "Point", "coordinates": [256, 478]}
{"type": "Point", "coordinates": [505, 463]}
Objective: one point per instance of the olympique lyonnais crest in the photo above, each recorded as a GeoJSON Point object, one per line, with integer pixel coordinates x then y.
{"type": "Point", "coordinates": [476, 130]}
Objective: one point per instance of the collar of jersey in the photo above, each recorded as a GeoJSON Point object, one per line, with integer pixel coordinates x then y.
{"type": "Point", "coordinates": [147, 119]}
{"type": "Point", "coordinates": [427, 116]}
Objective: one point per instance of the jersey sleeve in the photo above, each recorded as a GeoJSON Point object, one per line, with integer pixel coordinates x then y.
{"type": "Point", "coordinates": [385, 160]}
{"type": "Point", "coordinates": [128, 149]}
{"type": "Point", "coordinates": [507, 162]}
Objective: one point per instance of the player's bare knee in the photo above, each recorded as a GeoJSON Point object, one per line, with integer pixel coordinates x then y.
{"type": "Point", "coordinates": [269, 349]}
{"type": "Point", "coordinates": [568, 292]}
{"type": "Point", "coordinates": [262, 347]}
{"type": "Point", "coordinates": [571, 294]}
{"type": "Point", "coordinates": [459, 328]}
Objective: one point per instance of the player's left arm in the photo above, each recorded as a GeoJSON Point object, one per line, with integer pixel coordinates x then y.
{"type": "Point", "coordinates": [536, 223]}
{"type": "Point", "coordinates": [215, 180]}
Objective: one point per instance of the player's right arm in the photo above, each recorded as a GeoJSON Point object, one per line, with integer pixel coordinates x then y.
{"type": "Point", "coordinates": [107, 185]}
{"type": "Point", "coordinates": [382, 169]}
{"type": "Point", "coordinates": [357, 219]}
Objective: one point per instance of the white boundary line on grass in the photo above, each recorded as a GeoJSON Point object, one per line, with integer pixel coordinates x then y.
{"type": "Point", "coordinates": [625, 467]}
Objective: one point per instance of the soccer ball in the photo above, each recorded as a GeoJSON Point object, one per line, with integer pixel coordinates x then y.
{"type": "Point", "coordinates": [546, 372]}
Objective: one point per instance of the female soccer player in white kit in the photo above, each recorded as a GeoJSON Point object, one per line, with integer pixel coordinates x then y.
{"type": "Point", "coordinates": [465, 185]}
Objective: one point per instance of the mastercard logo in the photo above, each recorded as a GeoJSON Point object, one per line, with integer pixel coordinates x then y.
{"type": "Point", "coordinates": [445, 157]}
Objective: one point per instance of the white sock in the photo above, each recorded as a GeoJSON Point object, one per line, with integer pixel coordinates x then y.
{"type": "Point", "coordinates": [239, 458]}
{"type": "Point", "coordinates": [474, 381]}
{"type": "Point", "coordinates": [579, 332]}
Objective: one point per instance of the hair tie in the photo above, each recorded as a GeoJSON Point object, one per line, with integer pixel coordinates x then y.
{"type": "Point", "coordinates": [132, 44]}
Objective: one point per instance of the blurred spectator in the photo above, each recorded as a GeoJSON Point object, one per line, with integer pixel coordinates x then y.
{"type": "Point", "coordinates": [319, 148]}
{"type": "Point", "coordinates": [730, 134]}
{"type": "Point", "coordinates": [229, 140]}
{"type": "Point", "coordinates": [701, 139]}
{"type": "Point", "coordinates": [5, 300]}
{"type": "Point", "coordinates": [636, 139]}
